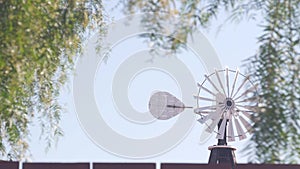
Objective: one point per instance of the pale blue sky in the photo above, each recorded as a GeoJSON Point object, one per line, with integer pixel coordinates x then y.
{"type": "Point", "coordinates": [233, 44]}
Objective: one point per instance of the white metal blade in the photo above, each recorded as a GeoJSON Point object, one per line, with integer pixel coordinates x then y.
{"type": "Point", "coordinates": [205, 108]}
{"type": "Point", "coordinates": [235, 78]}
{"type": "Point", "coordinates": [246, 124]}
{"type": "Point", "coordinates": [203, 119]}
{"type": "Point", "coordinates": [250, 99]}
{"type": "Point", "coordinates": [204, 112]}
{"type": "Point", "coordinates": [207, 90]}
{"type": "Point", "coordinates": [221, 84]}
{"type": "Point", "coordinates": [212, 116]}
{"type": "Point", "coordinates": [210, 128]}
{"type": "Point", "coordinates": [243, 83]}
{"type": "Point", "coordinates": [212, 83]}
{"type": "Point", "coordinates": [247, 114]}
{"type": "Point", "coordinates": [240, 132]}
{"type": "Point", "coordinates": [227, 81]}
{"type": "Point", "coordinates": [250, 108]}
{"type": "Point", "coordinates": [220, 98]}
{"type": "Point", "coordinates": [222, 128]}
{"type": "Point", "coordinates": [250, 90]}
{"type": "Point", "coordinates": [203, 98]}
{"type": "Point", "coordinates": [230, 130]}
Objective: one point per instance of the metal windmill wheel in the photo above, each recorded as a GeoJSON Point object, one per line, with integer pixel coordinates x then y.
{"type": "Point", "coordinates": [228, 104]}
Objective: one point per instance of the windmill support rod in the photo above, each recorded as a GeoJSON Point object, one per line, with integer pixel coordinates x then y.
{"type": "Point", "coordinates": [174, 106]}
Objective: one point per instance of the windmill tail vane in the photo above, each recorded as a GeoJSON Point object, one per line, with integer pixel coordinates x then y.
{"type": "Point", "coordinates": [163, 105]}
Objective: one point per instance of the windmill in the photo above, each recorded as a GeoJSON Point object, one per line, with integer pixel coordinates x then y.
{"type": "Point", "coordinates": [225, 108]}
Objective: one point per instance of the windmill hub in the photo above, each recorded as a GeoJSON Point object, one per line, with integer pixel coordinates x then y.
{"type": "Point", "coordinates": [229, 103]}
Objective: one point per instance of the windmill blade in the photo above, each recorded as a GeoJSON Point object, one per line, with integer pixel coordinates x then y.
{"type": "Point", "coordinates": [163, 105]}
{"type": "Point", "coordinates": [240, 87]}
{"type": "Point", "coordinates": [250, 99]}
{"type": "Point", "coordinates": [207, 78]}
{"type": "Point", "coordinates": [220, 98]}
{"type": "Point", "coordinates": [217, 107]}
{"type": "Point", "coordinates": [210, 128]}
{"type": "Point", "coordinates": [198, 110]}
{"type": "Point", "coordinates": [250, 90]}
{"type": "Point", "coordinates": [204, 112]}
{"type": "Point", "coordinates": [205, 89]}
{"type": "Point", "coordinates": [240, 132]}
{"type": "Point", "coordinates": [204, 98]}
{"type": "Point", "coordinates": [230, 130]}
{"type": "Point", "coordinates": [212, 116]}
{"type": "Point", "coordinates": [234, 82]}
{"type": "Point", "coordinates": [227, 81]}
{"type": "Point", "coordinates": [245, 123]}
{"type": "Point", "coordinates": [222, 128]}
{"type": "Point", "coordinates": [247, 114]}
{"type": "Point", "coordinates": [250, 108]}
{"type": "Point", "coordinates": [221, 84]}
{"type": "Point", "coordinates": [203, 119]}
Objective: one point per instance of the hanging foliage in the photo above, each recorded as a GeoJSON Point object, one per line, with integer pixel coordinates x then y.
{"type": "Point", "coordinates": [38, 40]}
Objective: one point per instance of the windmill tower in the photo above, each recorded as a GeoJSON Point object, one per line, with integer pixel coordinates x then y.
{"type": "Point", "coordinates": [225, 108]}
